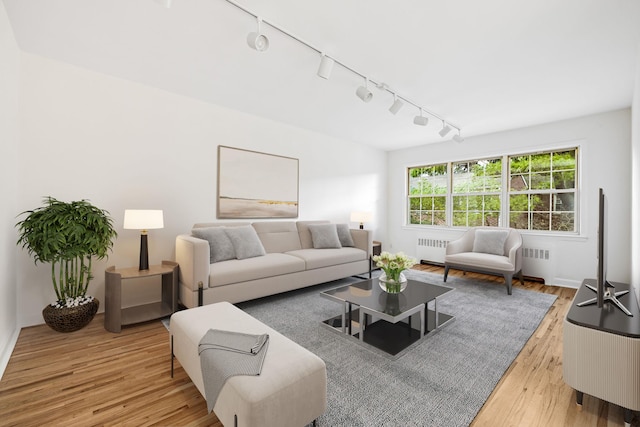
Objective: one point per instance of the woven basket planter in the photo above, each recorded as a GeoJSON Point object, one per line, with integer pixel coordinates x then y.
{"type": "Point", "coordinates": [69, 319]}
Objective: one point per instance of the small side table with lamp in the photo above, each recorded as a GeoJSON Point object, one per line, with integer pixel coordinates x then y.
{"type": "Point", "coordinates": [114, 315]}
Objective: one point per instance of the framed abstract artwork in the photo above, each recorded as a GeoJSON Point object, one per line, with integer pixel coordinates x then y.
{"type": "Point", "coordinates": [256, 185]}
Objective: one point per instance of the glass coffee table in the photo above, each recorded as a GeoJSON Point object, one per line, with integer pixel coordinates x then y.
{"type": "Point", "coordinates": [389, 322]}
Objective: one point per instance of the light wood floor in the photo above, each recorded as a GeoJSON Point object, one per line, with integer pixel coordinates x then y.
{"type": "Point", "coordinates": [93, 377]}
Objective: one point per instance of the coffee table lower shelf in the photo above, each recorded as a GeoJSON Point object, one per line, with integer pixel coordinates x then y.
{"type": "Point", "coordinates": [392, 338]}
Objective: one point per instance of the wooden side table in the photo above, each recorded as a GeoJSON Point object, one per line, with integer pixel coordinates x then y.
{"type": "Point", "coordinates": [115, 316]}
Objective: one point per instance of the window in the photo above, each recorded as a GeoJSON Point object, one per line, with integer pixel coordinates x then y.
{"type": "Point", "coordinates": [533, 191]}
{"type": "Point", "coordinates": [542, 191]}
{"type": "Point", "coordinates": [428, 195]}
{"type": "Point", "coordinates": [476, 192]}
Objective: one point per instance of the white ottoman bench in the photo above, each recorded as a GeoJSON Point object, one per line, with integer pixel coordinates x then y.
{"type": "Point", "coordinates": [290, 391]}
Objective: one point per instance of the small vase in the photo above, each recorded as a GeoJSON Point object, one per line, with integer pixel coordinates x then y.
{"type": "Point", "coordinates": [392, 286]}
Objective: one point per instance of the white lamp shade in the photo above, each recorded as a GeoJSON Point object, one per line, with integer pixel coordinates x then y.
{"type": "Point", "coordinates": [142, 219]}
{"type": "Point", "coordinates": [361, 217]}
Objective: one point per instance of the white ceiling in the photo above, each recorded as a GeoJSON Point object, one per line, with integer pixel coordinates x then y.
{"type": "Point", "coordinates": [485, 65]}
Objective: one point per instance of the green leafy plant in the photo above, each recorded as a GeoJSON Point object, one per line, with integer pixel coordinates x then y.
{"type": "Point", "coordinates": [68, 236]}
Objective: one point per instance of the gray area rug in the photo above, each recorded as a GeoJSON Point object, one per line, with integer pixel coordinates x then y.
{"type": "Point", "coordinates": [442, 381]}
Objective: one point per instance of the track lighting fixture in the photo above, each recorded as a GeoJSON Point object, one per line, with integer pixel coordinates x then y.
{"type": "Point", "coordinates": [260, 42]}
{"type": "Point", "coordinates": [397, 104]}
{"type": "Point", "coordinates": [326, 65]}
{"type": "Point", "coordinates": [457, 137]}
{"type": "Point", "coordinates": [363, 92]}
{"type": "Point", "coordinates": [445, 129]}
{"type": "Point", "coordinates": [257, 40]}
{"type": "Point", "coordinates": [421, 120]}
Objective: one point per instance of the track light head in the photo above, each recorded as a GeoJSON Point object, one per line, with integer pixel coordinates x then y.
{"type": "Point", "coordinates": [258, 41]}
{"type": "Point", "coordinates": [420, 120]}
{"type": "Point", "coordinates": [397, 105]}
{"type": "Point", "coordinates": [326, 65]}
{"type": "Point", "coordinates": [445, 129]}
{"type": "Point", "coordinates": [363, 92]}
{"type": "Point", "coordinates": [457, 137]}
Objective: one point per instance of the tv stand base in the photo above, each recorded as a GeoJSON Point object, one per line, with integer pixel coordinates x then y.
{"type": "Point", "coordinates": [608, 296]}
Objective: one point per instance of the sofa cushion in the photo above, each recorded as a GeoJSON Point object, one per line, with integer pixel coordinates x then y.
{"type": "Point", "coordinates": [344, 234]}
{"type": "Point", "coordinates": [314, 258]}
{"type": "Point", "coordinates": [243, 270]}
{"type": "Point", "coordinates": [490, 241]}
{"type": "Point", "coordinates": [481, 260]}
{"type": "Point", "coordinates": [278, 236]}
{"type": "Point", "coordinates": [220, 246]}
{"type": "Point", "coordinates": [245, 242]}
{"type": "Point", "coordinates": [324, 236]}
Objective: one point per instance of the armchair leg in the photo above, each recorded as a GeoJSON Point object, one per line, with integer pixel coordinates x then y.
{"type": "Point", "coordinates": [508, 279]}
{"type": "Point", "coordinates": [446, 272]}
{"type": "Point", "coordinates": [521, 278]}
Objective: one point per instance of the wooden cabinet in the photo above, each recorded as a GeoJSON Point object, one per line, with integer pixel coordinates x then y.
{"type": "Point", "coordinates": [115, 316]}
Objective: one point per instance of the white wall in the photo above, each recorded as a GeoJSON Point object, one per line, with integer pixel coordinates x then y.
{"type": "Point", "coordinates": [9, 140]}
{"type": "Point", "coordinates": [605, 144]}
{"type": "Point", "coordinates": [124, 145]}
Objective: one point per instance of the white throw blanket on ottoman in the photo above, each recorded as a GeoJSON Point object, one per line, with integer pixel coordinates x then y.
{"type": "Point", "coordinates": [224, 354]}
{"type": "Point", "coordinates": [291, 390]}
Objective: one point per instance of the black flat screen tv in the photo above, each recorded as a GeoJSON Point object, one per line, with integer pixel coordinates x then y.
{"type": "Point", "coordinates": [602, 249]}
{"type": "Point", "coordinates": [603, 287]}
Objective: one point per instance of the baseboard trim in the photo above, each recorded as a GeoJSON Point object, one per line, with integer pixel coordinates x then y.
{"type": "Point", "coordinates": [5, 356]}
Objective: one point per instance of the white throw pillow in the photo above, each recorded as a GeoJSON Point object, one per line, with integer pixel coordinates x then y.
{"type": "Point", "coordinates": [246, 242]}
{"type": "Point", "coordinates": [490, 241]}
{"type": "Point", "coordinates": [324, 236]}
{"type": "Point", "coordinates": [220, 246]}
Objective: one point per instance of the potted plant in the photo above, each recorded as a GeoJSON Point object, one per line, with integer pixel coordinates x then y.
{"type": "Point", "coordinates": [68, 236]}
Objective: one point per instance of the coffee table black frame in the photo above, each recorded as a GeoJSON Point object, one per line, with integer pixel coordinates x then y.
{"type": "Point", "coordinates": [389, 322]}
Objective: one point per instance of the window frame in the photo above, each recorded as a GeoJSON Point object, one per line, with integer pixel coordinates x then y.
{"type": "Point", "coordinates": [505, 193]}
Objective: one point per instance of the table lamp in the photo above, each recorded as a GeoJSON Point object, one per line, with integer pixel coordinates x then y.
{"type": "Point", "coordinates": [143, 220]}
{"type": "Point", "coordinates": [361, 217]}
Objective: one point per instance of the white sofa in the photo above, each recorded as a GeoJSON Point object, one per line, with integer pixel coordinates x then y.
{"type": "Point", "coordinates": [294, 254]}
{"type": "Point", "coordinates": [493, 250]}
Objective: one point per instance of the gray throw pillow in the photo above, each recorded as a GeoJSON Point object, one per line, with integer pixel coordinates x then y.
{"type": "Point", "coordinates": [344, 234]}
{"type": "Point", "coordinates": [220, 247]}
{"type": "Point", "coordinates": [324, 236]}
{"type": "Point", "coordinates": [490, 241]}
{"type": "Point", "coordinates": [246, 242]}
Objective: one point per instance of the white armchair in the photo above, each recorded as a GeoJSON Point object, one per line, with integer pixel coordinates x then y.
{"type": "Point", "coordinates": [492, 250]}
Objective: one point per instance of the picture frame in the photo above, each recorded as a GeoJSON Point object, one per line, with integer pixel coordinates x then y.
{"type": "Point", "coordinates": [252, 184]}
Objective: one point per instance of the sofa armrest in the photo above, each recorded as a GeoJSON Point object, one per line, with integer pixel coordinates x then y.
{"type": "Point", "coordinates": [192, 254]}
{"type": "Point", "coordinates": [363, 239]}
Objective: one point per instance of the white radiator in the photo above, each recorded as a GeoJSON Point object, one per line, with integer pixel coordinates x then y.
{"type": "Point", "coordinates": [538, 262]}
{"type": "Point", "coordinates": [430, 249]}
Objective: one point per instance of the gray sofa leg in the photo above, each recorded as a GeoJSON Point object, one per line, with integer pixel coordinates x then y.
{"type": "Point", "coordinates": [446, 272]}
{"type": "Point", "coordinates": [200, 294]}
{"type": "Point", "coordinates": [521, 277]}
{"type": "Point", "coordinates": [508, 279]}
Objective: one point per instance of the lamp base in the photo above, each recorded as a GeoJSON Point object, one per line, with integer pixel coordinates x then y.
{"type": "Point", "coordinates": [144, 252]}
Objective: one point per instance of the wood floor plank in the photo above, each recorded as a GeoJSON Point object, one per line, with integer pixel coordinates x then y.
{"type": "Point", "coordinates": [93, 377]}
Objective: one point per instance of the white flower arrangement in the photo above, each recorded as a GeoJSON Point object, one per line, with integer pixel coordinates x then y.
{"type": "Point", "coordinates": [393, 265]}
